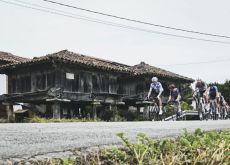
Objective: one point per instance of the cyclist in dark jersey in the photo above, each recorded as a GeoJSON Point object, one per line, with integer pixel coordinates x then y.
{"type": "Point", "coordinates": [175, 97]}
{"type": "Point", "coordinates": [174, 94]}
{"type": "Point", "coordinates": [212, 93]}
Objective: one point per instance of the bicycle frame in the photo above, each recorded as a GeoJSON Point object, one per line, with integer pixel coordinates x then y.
{"type": "Point", "coordinates": [154, 111]}
{"type": "Point", "coordinates": [213, 110]}
{"type": "Point", "coordinates": [223, 111]}
{"type": "Point", "coordinates": [200, 103]}
{"type": "Point", "coordinates": [175, 106]}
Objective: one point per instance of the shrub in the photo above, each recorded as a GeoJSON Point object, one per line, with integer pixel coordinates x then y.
{"type": "Point", "coordinates": [198, 148]}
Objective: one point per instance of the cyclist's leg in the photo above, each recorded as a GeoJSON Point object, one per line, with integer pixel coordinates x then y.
{"type": "Point", "coordinates": [160, 106]}
{"type": "Point", "coordinates": [217, 106]}
{"type": "Point", "coordinates": [206, 99]}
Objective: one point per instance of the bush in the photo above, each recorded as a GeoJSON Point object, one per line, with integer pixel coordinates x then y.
{"type": "Point", "coordinates": [37, 119]}
{"type": "Point", "coordinates": [186, 106]}
{"type": "Point", "coordinates": [3, 120]}
{"type": "Point", "coordinates": [198, 148]}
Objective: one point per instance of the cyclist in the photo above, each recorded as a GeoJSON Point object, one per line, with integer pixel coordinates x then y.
{"type": "Point", "coordinates": [222, 104]}
{"type": "Point", "coordinates": [157, 89]}
{"type": "Point", "coordinates": [200, 89]}
{"type": "Point", "coordinates": [212, 94]}
{"type": "Point", "coordinates": [174, 94]}
{"type": "Point", "coordinates": [174, 98]}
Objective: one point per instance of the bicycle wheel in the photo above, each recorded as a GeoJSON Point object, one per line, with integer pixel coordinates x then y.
{"type": "Point", "coordinates": [154, 117]}
{"type": "Point", "coordinates": [163, 116]}
{"type": "Point", "coordinates": [200, 111]}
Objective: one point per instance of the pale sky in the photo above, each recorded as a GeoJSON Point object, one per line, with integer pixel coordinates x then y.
{"type": "Point", "coordinates": [28, 33]}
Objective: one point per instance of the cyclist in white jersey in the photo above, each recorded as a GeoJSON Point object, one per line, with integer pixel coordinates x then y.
{"type": "Point", "coordinates": [157, 89]}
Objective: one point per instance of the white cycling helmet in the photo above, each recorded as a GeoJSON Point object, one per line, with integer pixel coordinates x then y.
{"type": "Point", "coordinates": [154, 79]}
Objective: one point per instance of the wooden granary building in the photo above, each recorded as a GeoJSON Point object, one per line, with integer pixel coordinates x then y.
{"type": "Point", "coordinates": [7, 58]}
{"type": "Point", "coordinates": [67, 84]}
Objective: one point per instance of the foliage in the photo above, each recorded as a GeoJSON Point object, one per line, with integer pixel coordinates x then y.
{"type": "Point", "coordinates": [69, 161]}
{"type": "Point", "coordinates": [198, 148]}
{"type": "Point", "coordinates": [3, 120]}
{"type": "Point", "coordinates": [118, 115]}
{"type": "Point", "coordinates": [37, 119]}
{"type": "Point", "coordinates": [225, 90]}
{"type": "Point", "coordinates": [186, 93]}
{"type": "Point", "coordinates": [186, 106]}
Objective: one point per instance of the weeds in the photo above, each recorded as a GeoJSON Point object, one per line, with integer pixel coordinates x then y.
{"type": "Point", "coordinates": [199, 148]}
{"type": "Point", "coordinates": [37, 119]}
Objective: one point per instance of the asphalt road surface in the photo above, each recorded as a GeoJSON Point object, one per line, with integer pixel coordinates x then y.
{"type": "Point", "coordinates": [26, 140]}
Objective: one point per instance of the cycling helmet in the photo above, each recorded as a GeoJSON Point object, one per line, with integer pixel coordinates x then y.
{"type": "Point", "coordinates": [154, 79]}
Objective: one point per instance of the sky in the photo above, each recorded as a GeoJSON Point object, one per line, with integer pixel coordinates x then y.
{"type": "Point", "coordinates": [30, 33]}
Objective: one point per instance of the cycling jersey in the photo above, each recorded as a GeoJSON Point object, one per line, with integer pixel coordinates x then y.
{"type": "Point", "coordinates": [222, 101]}
{"type": "Point", "coordinates": [213, 92]}
{"type": "Point", "coordinates": [157, 87]}
{"type": "Point", "coordinates": [174, 94]}
{"type": "Point", "coordinates": [200, 93]}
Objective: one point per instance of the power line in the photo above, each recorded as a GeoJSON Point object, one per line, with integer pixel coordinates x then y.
{"type": "Point", "coordinates": [136, 21]}
{"type": "Point", "coordinates": [197, 63]}
{"type": "Point", "coordinates": [74, 16]}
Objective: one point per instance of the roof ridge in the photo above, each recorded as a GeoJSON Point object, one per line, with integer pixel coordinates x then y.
{"type": "Point", "coordinates": [9, 57]}
{"type": "Point", "coordinates": [166, 72]}
{"type": "Point", "coordinates": [96, 58]}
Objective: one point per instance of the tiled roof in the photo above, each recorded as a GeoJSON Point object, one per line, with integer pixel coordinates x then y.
{"type": "Point", "coordinates": [10, 58]}
{"type": "Point", "coordinates": [66, 56]}
{"type": "Point", "coordinates": [143, 69]}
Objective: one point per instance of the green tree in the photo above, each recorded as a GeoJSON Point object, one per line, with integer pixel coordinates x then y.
{"type": "Point", "coordinates": [225, 90]}
{"type": "Point", "coordinates": [186, 93]}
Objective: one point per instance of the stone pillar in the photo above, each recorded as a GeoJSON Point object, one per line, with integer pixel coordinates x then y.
{"type": "Point", "coordinates": [146, 112]}
{"type": "Point", "coordinates": [9, 107]}
{"type": "Point", "coordinates": [114, 109]}
{"type": "Point", "coordinates": [94, 112]}
{"type": "Point", "coordinates": [56, 109]}
{"type": "Point", "coordinates": [94, 107]}
{"type": "Point", "coordinates": [9, 111]}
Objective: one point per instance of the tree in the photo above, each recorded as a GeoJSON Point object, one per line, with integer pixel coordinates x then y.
{"type": "Point", "coordinates": [225, 90]}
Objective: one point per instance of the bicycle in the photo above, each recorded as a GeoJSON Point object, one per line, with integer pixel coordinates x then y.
{"type": "Point", "coordinates": [176, 109]}
{"type": "Point", "coordinates": [155, 111]}
{"type": "Point", "coordinates": [200, 104]}
{"type": "Point", "coordinates": [213, 110]}
{"type": "Point", "coordinates": [223, 112]}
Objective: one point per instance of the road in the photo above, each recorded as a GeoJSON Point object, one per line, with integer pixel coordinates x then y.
{"type": "Point", "coordinates": [26, 140]}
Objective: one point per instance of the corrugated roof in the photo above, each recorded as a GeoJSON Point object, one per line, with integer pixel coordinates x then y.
{"type": "Point", "coordinates": [10, 58]}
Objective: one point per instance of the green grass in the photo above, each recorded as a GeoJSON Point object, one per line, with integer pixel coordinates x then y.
{"type": "Point", "coordinates": [3, 120]}
{"type": "Point", "coordinates": [37, 119]}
